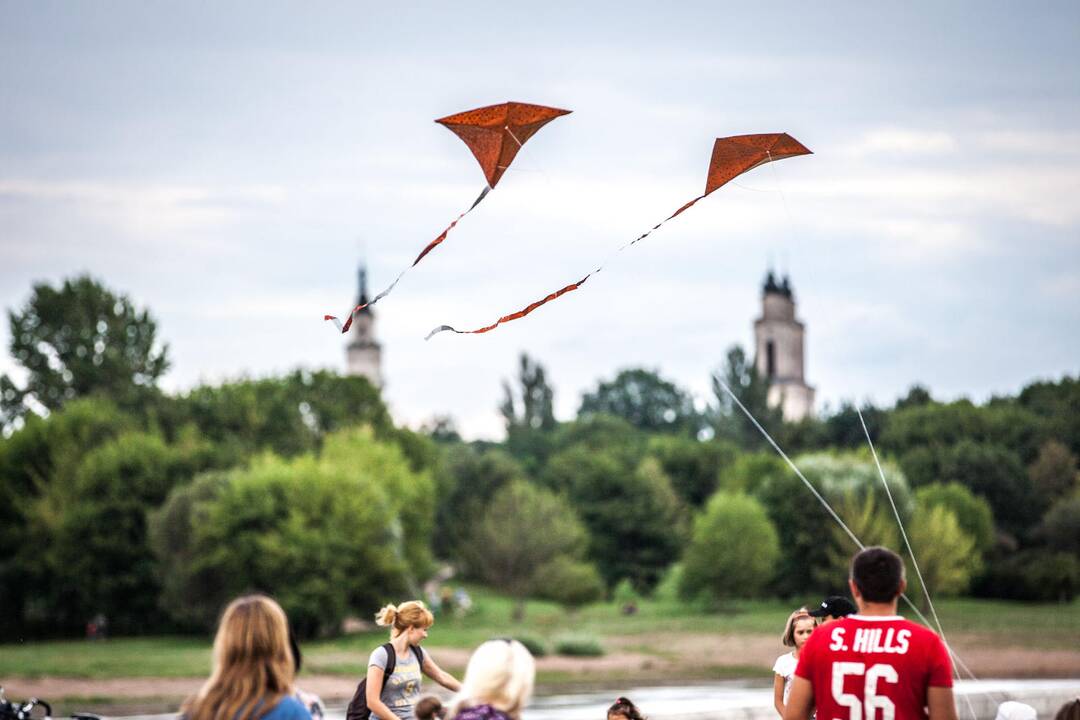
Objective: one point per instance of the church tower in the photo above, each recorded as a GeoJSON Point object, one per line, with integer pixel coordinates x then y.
{"type": "Point", "coordinates": [779, 339]}
{"type": "Point", "coordinates": [363, 355]}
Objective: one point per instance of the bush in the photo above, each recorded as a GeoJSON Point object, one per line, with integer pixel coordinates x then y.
{"type": "Point", "coordinates": [733, 551]}
{"type": "Point", "coordinates": [972, 512]}
{"type": "Point", "coordinates": [568, 582]}
{"type": "Point", "coordinates": [1032, 576]}
{"type": "Point", "coordinates": [578, 646]}
{"type": "Point", "coordinates": [323, 535]}
{"type": "Point", "coordinates": [667, 590]}
{"type": "Point", "coordinates": [533, 644]}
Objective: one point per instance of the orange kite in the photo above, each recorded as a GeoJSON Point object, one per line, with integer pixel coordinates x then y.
{"type": "Point", "coordinates": [731, 157]}
{"type": "Point", "coordinates": [494, 134]}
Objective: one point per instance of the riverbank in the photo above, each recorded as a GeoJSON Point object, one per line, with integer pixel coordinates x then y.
{"type": "Point", "coordinates": [661, 644]}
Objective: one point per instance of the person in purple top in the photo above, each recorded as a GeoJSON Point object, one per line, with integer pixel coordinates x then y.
{"type": "Point", "coordinates": [498, 683]}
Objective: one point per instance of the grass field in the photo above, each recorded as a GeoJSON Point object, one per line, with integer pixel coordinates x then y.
{"type": "Point", "coordinates": [656, 630]}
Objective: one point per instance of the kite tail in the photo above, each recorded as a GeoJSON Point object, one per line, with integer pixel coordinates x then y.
{"type": "Point", "coordinates": [344, 327]}
{"type": "Point", "coordinates": [562, 291]}
{"type": "Point", "coordinates": [515, 315]}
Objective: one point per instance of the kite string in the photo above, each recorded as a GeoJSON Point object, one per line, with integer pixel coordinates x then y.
{"type": "Point", "coordinates": [836, 517]}
{"type": "Point", "coordinates": [911, 551]}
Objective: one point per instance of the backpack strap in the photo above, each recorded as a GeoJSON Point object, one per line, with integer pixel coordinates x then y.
{"type": "Point", "coordinates": [419, 656]}
{"type": "Point", "coordinates": [391, 663]}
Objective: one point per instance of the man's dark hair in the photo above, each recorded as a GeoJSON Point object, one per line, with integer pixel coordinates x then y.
{"type": "Point", "coordinates": [877, 572]}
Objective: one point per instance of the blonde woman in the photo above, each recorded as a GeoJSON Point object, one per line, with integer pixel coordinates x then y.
{"type": "Point", "coordinates": [392, 685]}
{"type": "Point", "coordinates": [252, 678]}
{"type": "Point", "coordinates": [498, 683]}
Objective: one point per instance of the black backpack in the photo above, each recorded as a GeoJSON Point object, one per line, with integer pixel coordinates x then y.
{"type": "Point", "coordinates": [358, 708]}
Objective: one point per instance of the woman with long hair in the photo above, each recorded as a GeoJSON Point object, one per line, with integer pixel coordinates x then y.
{"type": "Point", "coordinates": [392, 694]}
{"type": "Point", "coordinates": [498, 683]}
{"type": "Point", "coordinates": [252, 677]}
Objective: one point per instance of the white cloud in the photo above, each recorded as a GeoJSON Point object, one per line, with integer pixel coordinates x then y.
{"type": "Point", "coordinates": [902, 142]}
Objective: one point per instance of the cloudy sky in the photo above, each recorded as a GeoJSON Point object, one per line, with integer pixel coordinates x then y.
{"type": "Point", "coordinates": [228, 164]}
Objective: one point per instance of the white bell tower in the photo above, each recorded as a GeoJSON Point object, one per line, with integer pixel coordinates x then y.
{"type": "Point", "coordinates": [779, 338]}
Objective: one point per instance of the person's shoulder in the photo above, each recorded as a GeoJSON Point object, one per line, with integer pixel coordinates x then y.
{"type": "Point", "coordinates": [920, 632]}
{"type": "Point", "coordinates": [379, 657]}
{"type": "Point", "coordinates": [288, 708]}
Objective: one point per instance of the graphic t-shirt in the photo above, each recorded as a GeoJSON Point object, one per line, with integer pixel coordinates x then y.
{"type": "Point", "coordinates": [873, 668]}
{"type": "Point", "coordinates": [785, 668]}
{"type": "Point", "coordinates": [402, 687]}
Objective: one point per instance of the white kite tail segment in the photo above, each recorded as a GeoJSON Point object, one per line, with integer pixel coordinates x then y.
{"type": "Point", "coordinates": [915, 563]}
{"type": "Point", "coordinates": [843, 525]}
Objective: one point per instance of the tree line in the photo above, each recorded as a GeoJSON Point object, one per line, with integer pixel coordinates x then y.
{"type": "Point", "coordinates": [152, 509]}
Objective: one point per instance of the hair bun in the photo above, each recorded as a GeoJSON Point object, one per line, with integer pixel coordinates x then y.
{"type": "Point", "coordinates": [386, 616]}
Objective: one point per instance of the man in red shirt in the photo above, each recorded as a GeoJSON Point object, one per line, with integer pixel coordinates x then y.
{"type": "Point", "coordinates": [873, 665]}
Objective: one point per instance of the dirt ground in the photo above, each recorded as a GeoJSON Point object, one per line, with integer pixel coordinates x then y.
{"type": "Point", "coordinates": [701, 658]}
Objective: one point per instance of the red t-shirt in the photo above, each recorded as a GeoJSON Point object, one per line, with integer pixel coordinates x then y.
{"type": "Point", "coordinates": [873, 668]}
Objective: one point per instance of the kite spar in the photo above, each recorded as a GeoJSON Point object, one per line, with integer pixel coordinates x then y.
{"type": "Point", "coordinates": [731, 157]}
{"type": "Point", "coordinates": [494, 134]}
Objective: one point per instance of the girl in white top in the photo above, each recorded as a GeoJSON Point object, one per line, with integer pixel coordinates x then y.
{"type": "Point", "coordinates": [796, 633]}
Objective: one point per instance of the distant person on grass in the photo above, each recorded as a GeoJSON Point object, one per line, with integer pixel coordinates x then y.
{"type": "Point", "coordinates": [395, 669]}
{"type": "Point", "coordinates": [252, 677]}
{"type": "Point", "coordinates": [874, 664]}
{"type": "Point", "coordinates": [796, 633]}
{"type": "Point", "coordinates": [498, 683]}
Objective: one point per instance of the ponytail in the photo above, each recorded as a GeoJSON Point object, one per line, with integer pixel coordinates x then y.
{"type": "Point", "coordinates": [387, 616]}
{"type": "Point", "coordinates": [404, 616]}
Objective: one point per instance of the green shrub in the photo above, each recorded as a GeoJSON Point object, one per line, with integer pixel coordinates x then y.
{"type": "Point", "coordinates": [733, 551]}
{"type": "Point", "coordinates": [533, 644]}
{"type": "Point", "coordinates": [568, 582]}
{"type": "Point", "coordinates": [578, 646]}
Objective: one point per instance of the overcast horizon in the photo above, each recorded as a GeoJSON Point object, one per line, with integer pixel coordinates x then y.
{"type": "Point", "coordinates": [230, 166]}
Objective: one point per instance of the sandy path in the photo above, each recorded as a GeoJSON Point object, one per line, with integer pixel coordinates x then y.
{"type": "Point", "coordinates": [696, 658]}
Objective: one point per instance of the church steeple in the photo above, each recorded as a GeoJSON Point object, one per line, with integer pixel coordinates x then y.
{"type": "Point", "coordinates": [363, 355]}
{"type": "Point", "coordinates": [780, 339]}
{"type": "Point", "coordinates": [362, 298]}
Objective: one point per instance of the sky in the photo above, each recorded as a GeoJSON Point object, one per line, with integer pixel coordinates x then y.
{"type": "Point", "coordinates": [228, 165]}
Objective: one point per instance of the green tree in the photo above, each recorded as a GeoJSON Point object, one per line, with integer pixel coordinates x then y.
{"type": "Point", "coordinates": [633, 516]}
{"type": "Point", "coordinates": [288, 415]}
{"type": "Point", "coordinates": [528, 413]}
{"type": "Point", "coordinates": [78, 340]}
{"type": "Point", "coordinates": [524, 529]}
{"type": "Point", "coordinates": [917, 396]}
{"type": "Point", "coordinates": [1060, 527]}
{"type": "Point", "coordinates": [693, 466]}
{"type": "Point", "coordinates": [947, 556]}
{"type": "Point", "coordinates": [37, 462]}
{"type": "Point", "coordinates": [843, 428]}
{"type": "Point", "coordinates": [326, 535]}
{"type": "Point", "coordinates": [466, 481]}
{"type": "Point", "coordinates": [809, 544]}
{"type": "Point", "coordinates": [98, 555]}
{"type": "Point", "coordinates": [871, 520]}
{"type": "Point", "coordinates": [973, 513]}
{"type": "Point", "coordinates": [1053, 474]}
{"type": "Point", "coordinates": [991, 471]}
{"type": "Point", "coordinates": [645, 400]}
{"type": "Point", "coordinates": [1058, 405]}
{"type": "Point", "coordinates": [733, 550]}
{"type": "Point", "coordinates": [752, 390]}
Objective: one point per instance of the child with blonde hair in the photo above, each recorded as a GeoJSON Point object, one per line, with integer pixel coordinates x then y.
{"type": "Point", "coordinates": [797, 631]}
{"type": "Point", "coordinates": [392, 685]}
